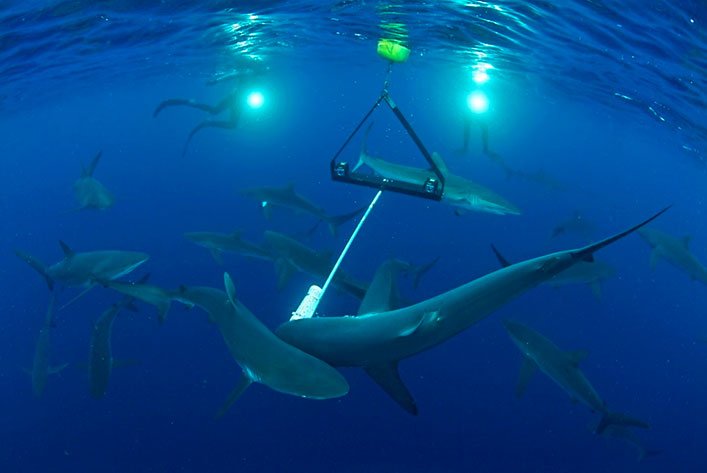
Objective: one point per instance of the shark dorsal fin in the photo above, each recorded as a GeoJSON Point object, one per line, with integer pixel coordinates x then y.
{"type": "Point", "coordinates": [686, 241]}
{"type": "Point", "coordinates": [439, 162]}
{"type": "Point", "coordinates": [501, 259]}
{"type": "Point", "coordinates": [237, 234]}
{"type": "Point", "coordinates": [68, 252]}
{"type": "Point", "coordinates": [387, 377]}
{"type": "Point", "coordinates": [88, 172]}
{"type": "Point", "coordinates": [290, 188]}
{"type": "Point", "coordinates": [577, 356]}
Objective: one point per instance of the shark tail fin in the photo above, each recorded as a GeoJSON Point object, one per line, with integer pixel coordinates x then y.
{"type": "Point", "coordinates": [617, 418]}
{"type": "Point", "coordinates": [37, 266]}
{"type": "Point", "coordinates": [586, 253]}
{"type": "Point", "coordinates": [418, 271]}
{"type": "Point", "coordinates": [336, 221]}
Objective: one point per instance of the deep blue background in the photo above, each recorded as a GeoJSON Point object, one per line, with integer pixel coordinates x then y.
{"type": "Point", "coordinates": [619, 166]}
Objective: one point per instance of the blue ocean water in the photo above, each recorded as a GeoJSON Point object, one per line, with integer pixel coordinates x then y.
{"type": "Point", "coordinates": [597, 107]}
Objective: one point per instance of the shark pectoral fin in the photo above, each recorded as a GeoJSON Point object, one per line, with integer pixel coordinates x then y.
{"type": "Point", "coordinates": [79, 296]}
{"type": "Point", "coordinates": [419, 322]}
{"type": "Point", "coordinates": [57, 369]}
{"type": "Point", "coordinates": [267, 209]}
{"type": "Point", "coordinates": [527, 369]}
{"type": "Point", "coordinates": [237, 392]}
{"type": "Point", "coordinates": [654, 258]}
{"type": "Point", "coordinates": [230, 288]}
{"type": "Point", "coordinates": [686, 241]}
{"type": "Point", "coordinates": [217, 255]}
{"type": "Point", "coordinates": [596, 289]}
{"type": "Point", "coordinates": [387, 377]}
{"type": "Point", "coordinates": [284, 270]}
{"type": "Point", "coordinates": [577, 356]}
{"type": "Point", "coordinates": [162, 309]}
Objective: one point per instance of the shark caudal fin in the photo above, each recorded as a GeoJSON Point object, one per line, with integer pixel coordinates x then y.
{"type": "Point", "coordinates": [418, 272]}
{"type": "Point", "coordinates": [336, 221]}
{"type": "Point", "coordinates": [37, 266]}
{"type": "Point", "coordinates": [617, 418]}
{"type": "Point", "coordinates": [586, 253]}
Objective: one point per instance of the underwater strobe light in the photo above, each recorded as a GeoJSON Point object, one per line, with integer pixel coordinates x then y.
{"type": "Point", "coordinates": [255, 99]}
{"type": "Point", "coordinates": [478, 102]}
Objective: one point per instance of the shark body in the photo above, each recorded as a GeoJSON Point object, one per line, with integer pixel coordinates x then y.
{"type": "Point", "coordinates": [90, 192]}
{"type": "Point", "coordinates": [40, 363]}
{"type": "Point", "coordinates": [676, 251]}
{"type": "Point", "coordinates": [263, 357]}
{"type": "Point", "coordinates": [287, 197]}
{"type": "Point", "coordinates": [83, 269]}
{"type": "Point", "coordinates": [218, 243]}
{"type": "Point", "coordinates": [459, 192]}
{"type": "Point", "coordinates": [563, 368]}
{"type": "Point", "coordinates": [378, 341]}
{"type": "Point", "coordinates": [100, 359]}
{"type": "Point", "coordinates": [290, 255]}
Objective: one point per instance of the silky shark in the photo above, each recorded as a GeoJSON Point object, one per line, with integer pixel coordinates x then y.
{"type": "Point", "coordinates": [40, 364]}
{"type": "Point", "coordinates": [378, 341]}
{"type": "Point", "coordinates": [286, 197]}
{"type": "Point", "coordinates": [147, 293]}
{"type": "Point", "coordinates": [217, 243]}
{"type": "Point", "coordinates": [592, 273]}
{"type": "Point", "coordinates": [459, 192]}
{"type": "Point", "coordinates": [263, 357]}
{"type": "Point", "coordinates": [89, 192]}
{"type": "Point", "coordinates": [100, 358]}
{"type": "Point", "coordinates": [291, 255]}
{"type": "Point", "coordinates": [83, 269]}
{"type": "Point", "coordinates": [675, 251]}
{"type": "Point", "coordinates": [563, 368]}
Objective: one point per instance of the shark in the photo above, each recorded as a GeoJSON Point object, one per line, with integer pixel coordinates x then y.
{"type": "Point", "coordinates": [290, 255]}
{"type": "Point", "coordinates": [100, 359]}
{"type": "Point", "coordinates": [676, 251]}
{"type": "Point", "coordinates": [563, 368]}
{"type": "Point", "coordinates": [287, 197]}
{"type": "Point", "coordinates": [147, 293]}
{"type": "Point", "coordinates": [40, 364]}
{"type": "Point", "coordinates": [629, 437]}
{"type": "Point", "coordinates": [89, 192]}
{"type": "Point", "coordinates": [263, 357]}
{"type": "Point", "coordinates": [377, 341]}
{"type": "Point", "coordinates": [218, 243]}
{"type": "Point", "coordinates": [82, 269]}
{"type": "Point", "coordinates": [592, 273]}
{"type": "Point", "coordinates": [459, 192]}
